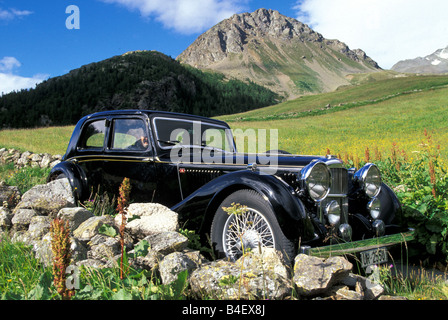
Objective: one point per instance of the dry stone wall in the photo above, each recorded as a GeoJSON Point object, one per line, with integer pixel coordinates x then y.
{"type": "Point", "coordinates": [27, 158]}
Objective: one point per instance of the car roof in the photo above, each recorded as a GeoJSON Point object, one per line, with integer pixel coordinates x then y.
{"type": "Point", "coordinates": [151, 113]}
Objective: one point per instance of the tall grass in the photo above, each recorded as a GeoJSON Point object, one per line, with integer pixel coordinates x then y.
{"type": "Point", "coordinates": [20, 272]}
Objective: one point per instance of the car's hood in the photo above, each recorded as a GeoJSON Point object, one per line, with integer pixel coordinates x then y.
{"type": "Point", "coordinates": [212, 159]}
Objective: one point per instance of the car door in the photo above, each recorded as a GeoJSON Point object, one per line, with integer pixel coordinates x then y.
{"type": "Point", "coordinates": [130, 155]}
{"type": "Point", "coordinates": [90, 152]}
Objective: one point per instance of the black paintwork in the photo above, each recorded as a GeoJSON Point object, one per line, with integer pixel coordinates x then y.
{"type": "Point", "coordinates": [195, 189]}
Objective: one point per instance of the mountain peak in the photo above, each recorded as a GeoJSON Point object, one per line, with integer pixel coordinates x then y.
{"type": "Point", "coordinates": [435, 63]}
{"type": "Point", "coordinates": [276, 51]}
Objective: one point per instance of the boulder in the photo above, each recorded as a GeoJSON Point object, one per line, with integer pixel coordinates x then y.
{"type": "Point", "coordinates": [22, 218]}
{"type": "Point", "coordinates": [103, 248]}
{"type": "Point", "coordinates": [90, 227]}
{"type": "Point", "coordinates": [74, 216]}
{"type": "Point", "coordinates": [144, 219]}
{"type": "Point", "coordinates": [48, 198]}
{"type": "Point", "coordinates": [24, 159]}
{"type": "Point", "coordinates": [150, 261]}
{"type": "Point", "coordinates": [314, 276]}
{"type": "Point", "coordinates": [250, 277]}
{"type": "Point", "coordinates": [167, 242]}
{"type": "Point", "coordinates": [344, 293]}
{"type": "Point", "coordinates": [79, 250]}
{"type": "Point", "coordinates": [92, 263]}
{"type": "Point", "coordinates": [176, 262]}
{"type": "Point", "coordinates": [368, 288]}
{"type": "Point", "coordinates": [39, 227]}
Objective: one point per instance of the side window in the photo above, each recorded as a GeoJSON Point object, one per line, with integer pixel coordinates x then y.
{"type": "Point", "coordinates": [130, 134]}
{"type": "Point", "coordinates": [93, 135]}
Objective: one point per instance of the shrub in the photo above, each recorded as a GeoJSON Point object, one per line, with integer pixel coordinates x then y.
{"type": "Point", "coordinates": [421, 183]}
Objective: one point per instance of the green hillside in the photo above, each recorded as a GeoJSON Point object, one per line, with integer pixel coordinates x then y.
{"type": "Point", "coordinates": [138, 80]}
{"type": "Point", "coordinates": [372, 88]}
{"type": "Point", "coordinates": [375, 114]}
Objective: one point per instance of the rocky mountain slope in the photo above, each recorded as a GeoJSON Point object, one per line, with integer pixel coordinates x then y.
{"type": "Point", "coordinates": [436, 62]}
{"type": "Point", "coordinates": [277, 52]}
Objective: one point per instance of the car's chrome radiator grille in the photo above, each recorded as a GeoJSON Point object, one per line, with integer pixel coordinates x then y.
{"type": "Point", "coordinates": [339, 181]}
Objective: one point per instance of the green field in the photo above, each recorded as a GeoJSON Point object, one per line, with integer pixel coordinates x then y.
{"type": "Point", "coordinates": [53, 140]}
{"type": "Point", "coordinates": [375, 114]}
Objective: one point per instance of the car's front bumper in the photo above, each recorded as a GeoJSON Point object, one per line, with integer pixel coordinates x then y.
{"type": "Point", "coordinates": [351, 248]}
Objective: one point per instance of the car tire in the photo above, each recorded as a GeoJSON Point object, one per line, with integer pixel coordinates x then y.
{"type": "Point", "coordinates": [231, 234]}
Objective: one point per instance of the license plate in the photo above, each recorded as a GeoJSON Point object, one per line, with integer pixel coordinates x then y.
{"type": "Point", "coordinates": [375, 256]}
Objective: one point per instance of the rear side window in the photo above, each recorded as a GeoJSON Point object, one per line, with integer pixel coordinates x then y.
{"type": "Point", "coordinates": [130, 134]}
{"type": "Point", "coordinates": [93, 135]}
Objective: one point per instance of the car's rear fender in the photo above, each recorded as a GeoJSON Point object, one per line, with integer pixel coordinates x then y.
{"type": "Point", "coordinates": [74, 174]}
{"type": "Point", "coordinates": [203, 203]}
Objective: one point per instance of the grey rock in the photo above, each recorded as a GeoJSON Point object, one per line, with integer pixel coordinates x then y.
{"type": "Point", "coordinates": [150, 261]}
{"type": "Point", "coordinates": [152, 218]}
{"type": "Point", "coordinates": [243, 279]}
{"type": "Point", "coordinates": [74, 216]}
{"type": "Point", "coordinates": [48, 198]}
{"type": "Point", "coordinates": [103, 248]}
{"type": "Point", "coordinates": [176, 262]}
{"type": "Point", "coordinates": [167, 242]}
{"type": "Point", "coordinates": [22, 218]}
{"type": "Point", "coordinates": [39, 227]}
{"type": "Point", "coordinates": [90, 227]}
{"type": "Point", "coordinates": [313, 275]}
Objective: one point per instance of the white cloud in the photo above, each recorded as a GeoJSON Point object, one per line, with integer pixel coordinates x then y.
{"type": "Point", "coordinates": [7, 64]}
{"type": "Point", "coordinates": [10, 82]}
{"type": "Point", "coordinates": [185, 16]}
{"type": "Point", "coordinates": [387, 30]}
{"type": "Point", "coordinates": [11, 14]}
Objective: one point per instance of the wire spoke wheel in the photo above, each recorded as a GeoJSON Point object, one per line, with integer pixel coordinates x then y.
{"type": "Point", "coordinates": [245, 231]}
{"type": "Point", "coordinates": [234, 233]}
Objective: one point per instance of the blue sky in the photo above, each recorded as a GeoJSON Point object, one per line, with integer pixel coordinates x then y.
{"type": "Point", "coordinates": [36, 43]}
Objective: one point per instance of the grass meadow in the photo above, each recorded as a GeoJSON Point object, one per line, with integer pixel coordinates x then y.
{"type": "Point", "coordinates": [374, 115]}
{"type": "Point", "coordinates": [53, 140]}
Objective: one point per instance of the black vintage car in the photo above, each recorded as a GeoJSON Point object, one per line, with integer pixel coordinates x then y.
{"type": "Point", "coordinates": [190, 164]}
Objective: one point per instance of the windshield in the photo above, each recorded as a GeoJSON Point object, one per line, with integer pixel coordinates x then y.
{"type": "Point", "coordinates": [180, 132]}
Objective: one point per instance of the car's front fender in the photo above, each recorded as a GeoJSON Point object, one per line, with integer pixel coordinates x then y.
{"type": "Point", "coordinates": [202, 204]}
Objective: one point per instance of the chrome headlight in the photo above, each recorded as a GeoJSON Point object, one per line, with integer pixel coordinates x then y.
{"type": "Point", "coordinates": [333, 212]}
{"type": "Point", "coordinates": [374, 207]}
{"type": "Point", "coordinates": [369, 179]}
{"type": "Point", "coordinates": [316, 178]}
